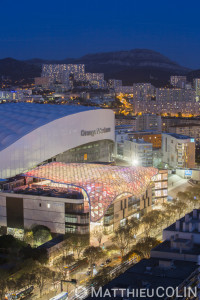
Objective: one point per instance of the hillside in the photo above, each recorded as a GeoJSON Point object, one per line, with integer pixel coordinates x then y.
{"type": "Point", "coordinates": [137, 65]}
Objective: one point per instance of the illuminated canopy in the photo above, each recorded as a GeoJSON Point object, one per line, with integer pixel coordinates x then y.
{"type": "Point", "coordinates": [102, 183]}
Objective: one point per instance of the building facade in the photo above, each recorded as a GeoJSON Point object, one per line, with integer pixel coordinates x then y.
{"type": "Point", "coordinates": [178, 151]}
{"type": "Point", "coordinates": [148, 122]}
{"type": "Point", "coordinates": [138, 152]}
{"type": "Point", "coordinates": [33, 134]}
{"type": "Point", "coordinates": [76, 197]}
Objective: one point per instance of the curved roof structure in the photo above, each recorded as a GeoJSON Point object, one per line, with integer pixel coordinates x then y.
{"type": "Point", "coordinates": [102, 183]}
{"type": "Point", "coordinates": [33, 133]}
{"type": "Point", "coordinates": [18, 119]}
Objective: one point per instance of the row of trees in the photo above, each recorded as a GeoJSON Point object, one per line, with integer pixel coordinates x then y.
{"type": "Point", "coordinates": [31, 273]}
{"type": "Point", "coordinates": [152, 223]}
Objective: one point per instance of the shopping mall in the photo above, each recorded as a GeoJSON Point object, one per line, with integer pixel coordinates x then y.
{"type": "Point", "coordinates": [75, 197]}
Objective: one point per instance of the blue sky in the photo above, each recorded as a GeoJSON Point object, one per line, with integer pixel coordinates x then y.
{"type": "Point", "coordinates": [62, 28]}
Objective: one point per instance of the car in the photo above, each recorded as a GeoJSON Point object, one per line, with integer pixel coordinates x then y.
{"type": "Point", "coordinates": [108, 261]}
{"type": "Point", "coordinates": [102, 265]}
{"type": "Point", "coordinates": [88, 273]}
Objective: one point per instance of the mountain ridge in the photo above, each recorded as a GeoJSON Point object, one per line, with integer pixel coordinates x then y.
{"type": "Point", "coordinates": [136, 65]}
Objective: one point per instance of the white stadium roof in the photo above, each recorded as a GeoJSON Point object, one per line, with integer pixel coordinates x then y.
{"type": "Point", "coordinates": [18, 119]}
{"type": "Point", "coordinates": [33, 133]}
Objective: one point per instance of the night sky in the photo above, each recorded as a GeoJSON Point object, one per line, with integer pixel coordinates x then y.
{"type": "Point", "coordinates": [62, 28]}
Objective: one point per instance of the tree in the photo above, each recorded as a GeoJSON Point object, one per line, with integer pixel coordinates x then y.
{"type": "Point", "coordinates": [42, 236]}
{"type": "Point", "coordinates": [37, 254]}
{"type": "Point", "coordinates": [3, 283]}
{"type": "Point", "coordinates": [77, 243]}
{"type": "Point", "coordinates": [151, 221]}
{"type": "Point", "coordinates": [98, 233]}
{"type": "Point", "coordinates": [122, 238]}
{"type": "Point", "coordinates": [179, 207]}
{"type": "Point", "coordinates": [193, 195]}
{"type": "Point", "coordinates": [55, 276]}
{"type": "Point", "coordinates": [42, 274]}
{"type": "Point", "coordinates": [134, 225]}
{"type": "Point", "coordinates": [92, 254]}
{"type": "Point", "coordinates": [144, 246]}
{"type": "Point", "coordinates": [168, 212]}
{"type": "Point", "coordinates": [60, 267]}
{"type": "Point", "coordinates": [28, 237]}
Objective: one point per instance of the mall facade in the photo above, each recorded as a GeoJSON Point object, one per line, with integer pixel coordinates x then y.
{"type": "Point", "coordinates": [75, 197]}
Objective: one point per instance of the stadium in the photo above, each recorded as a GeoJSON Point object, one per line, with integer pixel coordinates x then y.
{"type": "Point", "coordinates": [33, 134]}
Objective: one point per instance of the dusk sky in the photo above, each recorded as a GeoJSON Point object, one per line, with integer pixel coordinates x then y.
{"type": "Point", "coordinates": [62, 28]}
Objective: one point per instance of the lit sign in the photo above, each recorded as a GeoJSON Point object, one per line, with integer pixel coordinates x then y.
{"type": "Point", "coordinates": [192, 140]}
{"type": "Point", "coordinates": [94, 132]}
{"type": "Point", "coordinates": [188, 172]}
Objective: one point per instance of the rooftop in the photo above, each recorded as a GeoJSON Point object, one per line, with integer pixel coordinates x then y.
{"type": "Point", "coordinates": [179, 136]}
{"type": "Point", "coordinates": [185, 125]}
{"type": "Point", "coordinates": [55, 241]}
{"type": "Point", "coordinates": [18, 119]}
{"type": "Point", "coordinates": [48, 191]}
{"type": "Point", "coordinates": [182, 225]}
{"type": "Point", "coordinates": [148, 274]}
{"type": "Point", "coordinates": [166, 247]}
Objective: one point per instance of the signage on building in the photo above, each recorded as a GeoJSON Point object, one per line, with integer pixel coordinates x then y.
{"type": "Point", "coordinates": [95, 131]}
{"type": "Point", "coordinates": [188, 172]}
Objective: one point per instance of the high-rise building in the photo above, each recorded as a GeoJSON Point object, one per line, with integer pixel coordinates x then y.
{"type": "Point", "coordinates": [143, 97]}
{"type": "Point", "coordinates": [148, 122]}
{"type": "Point", "coordinates": [149, 136]}
{"type": "Point", "coordinates": [114, 83]}
{"type": "Point", "coordinates": [196, 85]}
{"type": "Point", "coordinates": [61, 72]}
{"type": "Point", "coordinates": [191, 129]}
{"type": "Point", "coordinates": [178, 151]}
{"type": "Point", "coordinates": [124, 89]}
{"type": "Point", "coordinates": [94, 76]}
{"type": "Point", "coordinates": [138, 152]}
{"type": "Point", "coordinates": [176, 101]}
{"type": "Point", "coordinates": [178, 81]}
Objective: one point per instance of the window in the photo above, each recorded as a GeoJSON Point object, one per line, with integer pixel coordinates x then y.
{"type": "Point", "coordinates": [71, 219]}
{"type": "Point", "coordinates": [70, 228]}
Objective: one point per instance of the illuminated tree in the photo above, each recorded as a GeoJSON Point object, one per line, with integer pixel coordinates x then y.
{"type": "Point", "coordinates": [42, 275]}
{"type": "Point", "coordinates": [134, 225]}
{"type": "Point", "coordinates": [92, 254]}
{"type": "Point", "coordinates": [122, 238]}
{"type": "Point", "coordinates": [151, 221]}
{"type": "Point", "coordinates": [145, 245]}
{"type": "Point", "coordinates": [3, 283]}
{"type": "Point", "coordinates": [78, 243]}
